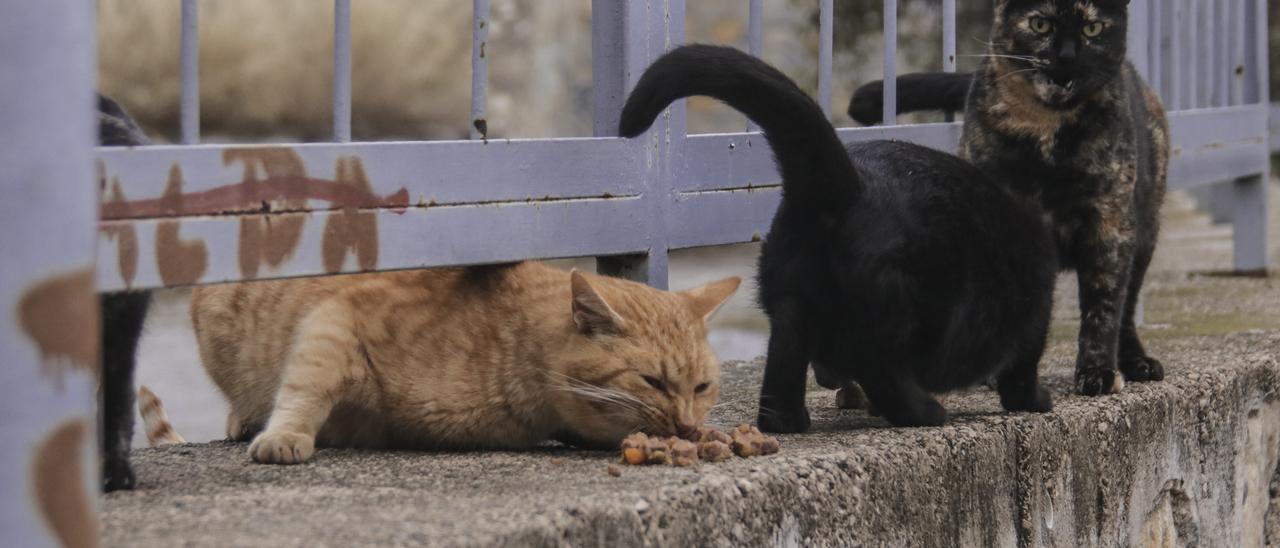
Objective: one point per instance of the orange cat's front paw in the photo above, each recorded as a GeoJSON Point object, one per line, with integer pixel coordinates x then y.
{"type": "Point", "coordinates": [282, 448]}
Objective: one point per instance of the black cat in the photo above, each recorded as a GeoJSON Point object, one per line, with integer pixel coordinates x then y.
{"type": "Point", "coordinates": [894, 265]}
{"type": "Point", "coordinates": [1057, 115]}
{"type": "Point", "coordinates": [123, 314]}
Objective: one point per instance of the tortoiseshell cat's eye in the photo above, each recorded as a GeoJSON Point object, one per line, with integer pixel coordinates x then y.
{"type": "Point", "coordinates": [1094, 29]}
{"type": "Point", "coordinates": [1041, 25]}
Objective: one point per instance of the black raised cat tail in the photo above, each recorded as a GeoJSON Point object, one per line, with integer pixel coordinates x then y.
{"type": "Point", "coordinates": [816, 171]}
{"type": "Point", "coordinates": [943, 91]}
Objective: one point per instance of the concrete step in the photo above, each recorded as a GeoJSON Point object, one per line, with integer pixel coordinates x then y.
{"type": "Point", "coordinates": [1184, 460]}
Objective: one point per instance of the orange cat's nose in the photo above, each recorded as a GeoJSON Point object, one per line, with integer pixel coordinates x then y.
{"type": "Point", "coordinates": [686, 430]}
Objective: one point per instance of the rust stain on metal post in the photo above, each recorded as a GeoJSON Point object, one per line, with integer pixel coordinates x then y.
{"type": "Point", "coordinates": [60, 314]}
{"type": "Point", "coordinates": [264, 238]}
{"type": "Point", "coordinates": [59, 487]}
{"type": "Point", "coordinates": [125, 235]}
{"type": "Point", "coordinates": [274, 193]}
{"type": "Point", "coordinates": [180, 262]}
{"type": "Point", "coordinates": [351, 229]}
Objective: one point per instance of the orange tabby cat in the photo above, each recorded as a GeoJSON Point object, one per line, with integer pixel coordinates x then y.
{"type": "Point", "coordinates": [483, 357]}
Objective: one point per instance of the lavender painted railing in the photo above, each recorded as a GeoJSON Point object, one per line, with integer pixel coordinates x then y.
{"type": "Point", "coordinates": [512, 199]}
{"type": "Point", "coordinates": [48, 328]}
{"type": "Point", "coordinates": [194, 214]}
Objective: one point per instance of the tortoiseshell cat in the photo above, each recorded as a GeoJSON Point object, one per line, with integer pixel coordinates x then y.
{"type": "Point", "coordinates": [482, 357]}
{"type": "Point", "coordinates": [897, 266]}
{"type": "Point", "coordinates": [1057, 114]}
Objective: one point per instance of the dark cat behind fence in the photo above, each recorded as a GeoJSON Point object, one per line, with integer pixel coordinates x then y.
{"type": "Point", "coordinates": [1057, 115]}
{"type": "Point", "coordinates": [123, 314]}
{"type": "Point", "coordinates": [896, 266]}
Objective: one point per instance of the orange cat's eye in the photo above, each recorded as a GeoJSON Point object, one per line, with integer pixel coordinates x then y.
{"type": "Point", "coordinates": [1041, 25]}
{"type": "Point", "coordinates": [702, 388]}
{"type": "Point", "coordinates": [655, 382]}
{"type": "Point", "coordinates": [1092, 30]}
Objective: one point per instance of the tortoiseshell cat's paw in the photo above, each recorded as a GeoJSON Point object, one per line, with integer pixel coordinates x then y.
{"type": "Point", "coordinates": [1142, 369]}
{"type": "Point", "coordinates": [1098, 382]}
{"type": "Point", "coordinates": [783, 421]}
{"type": "Point", "coordinates": [116, 473]}
{"type": "Point", "coordinates": [282, 448]}
{"type": "Point", "coordinates": [1036, 400]}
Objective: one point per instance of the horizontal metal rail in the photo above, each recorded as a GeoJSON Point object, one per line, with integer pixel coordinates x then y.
{"type": "Point", "coordinates": [540, 198]}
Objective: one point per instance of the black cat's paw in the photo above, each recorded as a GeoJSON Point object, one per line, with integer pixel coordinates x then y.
{"type": "Point", "coordinates": [1142, 369]}
{"type": "Point", "coordinates": [792, 421]}
{"type": "Point", "coordinates": [1098, 382]}
{"type": "Point", "coordinates": [1036, 400]}
{"type": "Point", "coordinates": [851, 396]}
{"type": "Point", "coordinates": [923, 412]}
{"type": "Point", "coordinates": [117, 474]}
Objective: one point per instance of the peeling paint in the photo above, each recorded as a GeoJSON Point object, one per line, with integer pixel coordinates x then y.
{"type": "Point", "coordinates": [60, 314]}
{"type": "Point", "coordinates": [59, 488]}
{"type": "Point", "coordinates": [180, 262]}
{"type": "Point", "coordinates": [126, 238]}
{"type": "Point", "coordinates": [351, 230]}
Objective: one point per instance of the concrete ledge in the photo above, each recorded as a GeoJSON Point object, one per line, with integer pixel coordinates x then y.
{"type": "Point", "coordinates": [1184, 460]}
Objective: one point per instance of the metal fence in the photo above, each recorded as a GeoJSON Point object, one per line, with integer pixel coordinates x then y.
{"type": "Point", "coordinates": [194, 214]}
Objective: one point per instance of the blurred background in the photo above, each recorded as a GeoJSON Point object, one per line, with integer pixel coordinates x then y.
{"type": "Point", "coordinates": [266, 69]}
{"type": "Point", "coordinates": [266, 76]}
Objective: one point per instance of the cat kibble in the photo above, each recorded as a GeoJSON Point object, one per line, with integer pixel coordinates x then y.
{"type": "Point", "coordinates": [684, 453]}
{"type": "Point", "coordinates": [748, 441]}
{"type": "Point", "coordinates": [715, 451]}
{"type": "Point", "coordinates": [707, 444]}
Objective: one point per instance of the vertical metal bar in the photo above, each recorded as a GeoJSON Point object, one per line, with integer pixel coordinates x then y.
{"type": "Point", "coordinates": [627, 37]}
{"type": "Point", "coordinates": [826, 25]}
{"type": "Point", "coordinates": [1222, 54]}
{"type": "Point", "coordinates": [1249, 197]}
{"type": "Point", "coordinates": [49, 471]}
{"type": "Point", "coordinates": [1209, 76]}
{"type": "Point", "coordinates": [755, 38]}
{"type": "Point", "coordinates": [1257, 63]}
{"type": "Point", "coordinates": [949, 42]}
{"type": "Point", "coordinates": [341, 70]}
{"type": "Point", "coordinates": [608, 65]}
{"type": "Point", "coordinates": [890, 112]}
{"type": "Point", "coordinates": [1204, 54]}
{"type": "Point", "coordinates": [1238, 40]}
{"type": "Point", "coordinates": [1175, 57]}
{"type": "Point", "coordinates": [1191, 55]}
{"type": "Point", "coordinates": [755, 27]}
{"type": "Point", "coordinates": [1252, 251]}
{"type": "Point", "coordinates": [190, 102]}
{"type": "Point", "coordinates": [1139, 36]}
{"type": "Point", "coordinates": [1155, 45]}
{"type": "Point", "coordinates": [479, 69]}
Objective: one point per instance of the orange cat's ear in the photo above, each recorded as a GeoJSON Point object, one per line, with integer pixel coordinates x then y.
{"type": "Point", "coordinates": [706, 300]}
{"type": "Point", "coordinates": [591, 313]}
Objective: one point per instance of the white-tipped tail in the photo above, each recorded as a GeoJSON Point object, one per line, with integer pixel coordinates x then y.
{"type": "Point", "coordinates": [159, 431]}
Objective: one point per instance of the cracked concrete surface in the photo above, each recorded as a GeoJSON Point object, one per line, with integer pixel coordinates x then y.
{"type": "Point", "coordinates": [1189, 461]}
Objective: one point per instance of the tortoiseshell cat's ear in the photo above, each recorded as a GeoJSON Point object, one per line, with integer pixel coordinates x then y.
{"type": "Point", "coordinates": [591, 313]}
{"type": "Point", "coordinates": [707, 299]}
